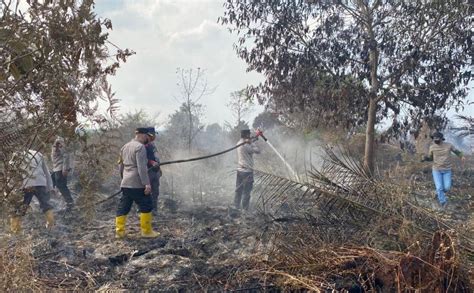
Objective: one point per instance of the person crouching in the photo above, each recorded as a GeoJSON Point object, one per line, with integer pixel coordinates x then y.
{"type": "Point", "coordinates": [135, 186]}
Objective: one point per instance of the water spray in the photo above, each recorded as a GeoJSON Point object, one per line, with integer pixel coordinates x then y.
{"type": "Point", "coordinates": [259, 133]}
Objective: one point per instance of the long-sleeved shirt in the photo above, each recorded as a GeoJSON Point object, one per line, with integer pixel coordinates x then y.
{"type": "Point", "coordinates": [245, 156]}
{"type": "Point", "coordinates": [441, 155]}
{"type": "Point", "coordinates": [60, 156]}
{"type": "Point", "coordinates": [133, 165]}
{"type": "Point", "coordinates": [37, 172]}
{"type": "Point", "coordinates": [152, 157]}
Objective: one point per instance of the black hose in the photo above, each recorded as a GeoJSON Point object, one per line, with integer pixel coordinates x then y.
{"type": "Point", "coordinates": [203, 157]}
{"type": "Point", "coordinates": [177, 162]}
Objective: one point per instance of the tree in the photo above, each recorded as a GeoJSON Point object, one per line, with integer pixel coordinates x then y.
{"type": "Point", "coordinates": [193, 87]}
{"type": "Point", "coordinates": [240, 104]}
{"type": "Point", "coordinates": [266, 121]}
{"type": "Point", "coordinates": [131, 121]}
{"type": "Point", "coordinates": [184, 126]}
{"type": "Point", "coordinates": [55, 58]}
{"type": "Point", "coordinates": [409, 56]}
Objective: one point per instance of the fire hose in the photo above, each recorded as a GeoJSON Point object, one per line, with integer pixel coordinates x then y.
{"type": "Point", "coordinates": [258, 134]}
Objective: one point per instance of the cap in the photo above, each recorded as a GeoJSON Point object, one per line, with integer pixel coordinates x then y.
{"type": "Point", "coordinates": [151, 131]}
{"type": "Point", "coordinates": [142, 130]}
{"type": "Point", "coordinates": [437, 134]}
{"type": "Point", "coordinates": [245, 133]}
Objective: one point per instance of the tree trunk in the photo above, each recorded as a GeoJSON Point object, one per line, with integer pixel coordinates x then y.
{"type": "Point", "coordinates": [369, 154]}
{"type": "Point", "coordinates": [370, 136]}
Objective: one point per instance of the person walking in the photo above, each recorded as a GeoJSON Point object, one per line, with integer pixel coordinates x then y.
{"type": "Point", "coordinates": [440, 154]}
{"type": "Point", "coordinates": [135, 186]}
{"type": "Point", "coordinates": [244, 182]}
{"type": "Point", "coordinates": [61, 159]}
{"type": "Point", "coordinates": [36, 183]}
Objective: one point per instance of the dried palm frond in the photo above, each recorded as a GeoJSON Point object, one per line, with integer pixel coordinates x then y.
{"type": "Point", "coordinates": [465, 130]}
{"type": "Point", "coordinates": [342, 200]}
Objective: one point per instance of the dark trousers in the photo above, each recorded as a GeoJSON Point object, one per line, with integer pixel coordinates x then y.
{"type": "Point", "coordinates": [60, 181]}
{"type": "Point", "coordinates": [155, 188]}
{"type": "Point", "coordinates": [41, 194]}
{"type": "Point", "coordinates": [244, 186]}
{"type": "Point", "coordinates": [131, 195]}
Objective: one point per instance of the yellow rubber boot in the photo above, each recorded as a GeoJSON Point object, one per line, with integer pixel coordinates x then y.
{"type": "Point", "coordinates": [15, 224]}
{"type": "Point", "coordinates": [120, 222]}
{"type": "Point", "coordinates": [145, 225]}
{"type": "Point", "coordinates": [50, 222]}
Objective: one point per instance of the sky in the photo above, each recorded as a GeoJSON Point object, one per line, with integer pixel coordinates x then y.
{"type": "Point", "coordinates": [167, 35]}
{"type": "Point", "coordinates": [171, 34]}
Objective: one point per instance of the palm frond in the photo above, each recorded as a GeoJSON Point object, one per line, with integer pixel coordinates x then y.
{"type": "Point", "coordinates": [466, 130]}
{"type": "Point", "coordinates": [343, 200]}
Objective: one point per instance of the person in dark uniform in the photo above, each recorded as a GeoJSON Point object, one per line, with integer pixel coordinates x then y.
{"type": "Point", "coordinates": [154, 171]}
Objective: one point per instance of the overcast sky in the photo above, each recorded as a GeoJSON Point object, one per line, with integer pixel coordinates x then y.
{"type": "Point", "coordinates": [167, 34]}
{"type": "Point", "coordinates": [170, 34]}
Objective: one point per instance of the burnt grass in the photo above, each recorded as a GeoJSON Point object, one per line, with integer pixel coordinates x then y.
{"type": "Point", "coordinates": [201, 248]}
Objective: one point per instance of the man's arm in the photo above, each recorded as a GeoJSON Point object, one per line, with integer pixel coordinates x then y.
{"type": "Point", "coordinates": [255, 148]}
{"type": "Point", "coordinates": [66, 161]}
{"type": "Point", "coordinates": [142, 166]}
{"type": "Point", "coordinates": [459, 154]}
{"type": "Point", "coordinates": [49, 181]}
{"type": "Point", "coordinates": [429, 157]}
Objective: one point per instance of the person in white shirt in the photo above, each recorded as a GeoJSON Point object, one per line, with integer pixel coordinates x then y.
{"type": "Point", "coordinates": [244, 183]}
{"type": "Point", "coordinates": [36, 183]}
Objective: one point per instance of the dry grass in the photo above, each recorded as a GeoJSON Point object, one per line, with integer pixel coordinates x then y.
{"type": "Point", "coordinates": [18, 269]}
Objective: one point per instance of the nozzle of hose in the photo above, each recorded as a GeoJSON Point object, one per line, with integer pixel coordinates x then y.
{"type": "Point", "coordinates": [258, 133]}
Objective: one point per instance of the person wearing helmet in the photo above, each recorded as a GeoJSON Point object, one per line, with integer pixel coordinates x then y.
{"type": "Point", "coordinates": [440, 154]}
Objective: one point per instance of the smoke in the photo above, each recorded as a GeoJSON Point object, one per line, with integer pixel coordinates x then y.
{"type": "Point", "coordinates": [213, 181]}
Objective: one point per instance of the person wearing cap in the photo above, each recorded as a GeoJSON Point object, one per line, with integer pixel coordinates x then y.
{"type": "Point", "coordinates": [154, 171]}
{"type": "Point", "coordinates": [244, 182]}
{"type": "Point", "coordinates": [37, 183]}
{"type": "Point", "coordinates": [440, 154]}
{"type": "Point", "coordinates": [61, 167]}
{"type": "Point", "coordinates": [135, 185]}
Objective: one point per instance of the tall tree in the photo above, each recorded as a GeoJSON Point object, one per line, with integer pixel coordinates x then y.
{"type": "Point", "coordinates": [407, 55]}
{"type": "Point", "coordinates": [240, 105]}
{"type": "Point", "coordinates": [184, 125]}
{"type": "Point", "coordinates": [55, 58]}
{"type": "Point", "coordinates": [193, 87]}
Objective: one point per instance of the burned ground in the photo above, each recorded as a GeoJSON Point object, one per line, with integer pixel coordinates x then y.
{"type": "Point", "coordinates": [207, 246]}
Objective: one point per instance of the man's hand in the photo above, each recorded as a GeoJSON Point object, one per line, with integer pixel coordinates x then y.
{"type": "Point", "coordinates": [155, 166]}
{"type": "Point", "coordinates": [65, 173]}
{"type": "Point", "coordinates": [248, 140]}
{"type": "Point", "coordinates": [147, 189]}
{"type": "Point", "coordinates": [463, 160]}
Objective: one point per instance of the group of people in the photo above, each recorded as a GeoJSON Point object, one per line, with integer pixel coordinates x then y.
{"type": "Point", "coordinates": [140, 178]}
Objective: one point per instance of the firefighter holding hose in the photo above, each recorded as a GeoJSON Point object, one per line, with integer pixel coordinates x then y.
{"type": "Point", "coordinates": [244, 182]}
